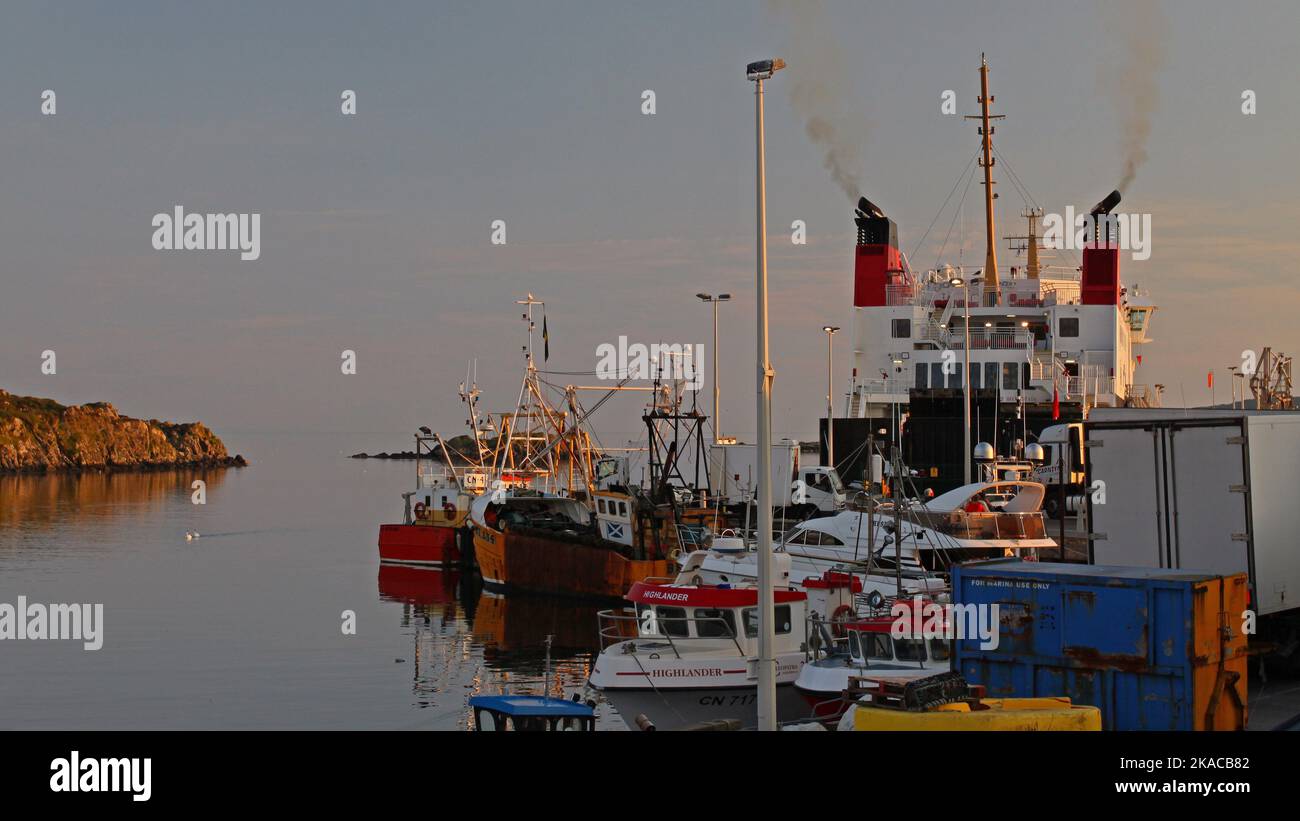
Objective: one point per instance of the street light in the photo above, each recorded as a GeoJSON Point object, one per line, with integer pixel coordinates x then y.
{"type": "Point", "coordinates": [717, 393]}
{"type": "Point", "coordinates": [830, 391]}
{"type": "Point", "coordinates": [757, 72]}
{"type": "Point", "coordinates": [958, 282]}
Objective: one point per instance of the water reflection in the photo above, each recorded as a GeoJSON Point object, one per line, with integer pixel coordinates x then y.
{"type": "Point", "coordinates": [43, 501]}
{"type": "Point", "coordinates": [466, 641]}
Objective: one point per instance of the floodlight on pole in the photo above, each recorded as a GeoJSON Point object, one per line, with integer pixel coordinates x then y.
{"type": "Point", "coordinates": [757, 72]}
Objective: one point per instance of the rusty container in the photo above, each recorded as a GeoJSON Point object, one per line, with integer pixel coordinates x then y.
{"type": "Point", "coordinates": [1154, 649]}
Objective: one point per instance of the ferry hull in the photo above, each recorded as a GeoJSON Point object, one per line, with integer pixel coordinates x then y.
{"type": "Point", "coordinates": [517, 561]}
{"type": "Point", "coordinates": [424, 545]}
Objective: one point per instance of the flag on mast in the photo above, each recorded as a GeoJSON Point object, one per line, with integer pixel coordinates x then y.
{"type": "Point", "coordinates": [1056, 400]}
{"type": "Point", "coordinates": [546, 341]}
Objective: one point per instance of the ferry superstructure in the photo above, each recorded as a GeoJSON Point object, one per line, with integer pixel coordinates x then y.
{"type": "Point", "coordinates": [1036, 332]}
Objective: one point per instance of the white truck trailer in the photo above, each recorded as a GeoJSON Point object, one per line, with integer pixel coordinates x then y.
{"type": "Point", "coordinates": [1202, 489]}
{"type": "Point", "coordinates": [733, 473]}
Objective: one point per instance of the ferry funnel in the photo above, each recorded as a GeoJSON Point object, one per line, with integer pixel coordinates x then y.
{"type": "Point", "coordinates": [866, 208]}
{"type": "Point", "coordinates": [1099, 283]}
{"type": "Point", "coordinates": [1107, 205]}
{"type": "Point", "coordinates": [878, 263]}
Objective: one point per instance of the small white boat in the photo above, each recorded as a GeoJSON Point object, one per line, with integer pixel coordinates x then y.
{"type": "Point", "coordinates": [686, 653]}
{"type": "Point", "coordinates": [842, 652]}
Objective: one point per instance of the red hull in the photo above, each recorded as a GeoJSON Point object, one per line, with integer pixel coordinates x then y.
{"type": "Point", "coordinates": [418, 544]}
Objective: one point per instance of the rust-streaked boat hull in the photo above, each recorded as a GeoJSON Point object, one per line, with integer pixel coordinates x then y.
{"type": "Point", "coordinates": [519, 561]}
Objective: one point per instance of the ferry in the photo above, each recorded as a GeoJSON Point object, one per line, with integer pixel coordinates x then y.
{"type": "Point", "coordinates": [1034, 341]}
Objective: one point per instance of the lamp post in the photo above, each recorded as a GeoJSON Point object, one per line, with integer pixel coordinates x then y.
{"type": "Point", "coordinates": [717, 392]}
{"type": "Point", "coordinates": [830, 393]}
{"type": "Point", "coordinates": [758, 72]}
{"type": "Point", "coordinates": [958, 282]}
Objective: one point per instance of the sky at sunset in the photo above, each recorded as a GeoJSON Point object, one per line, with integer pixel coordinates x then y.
{"type": "Point", "coordinates": [376, 227]}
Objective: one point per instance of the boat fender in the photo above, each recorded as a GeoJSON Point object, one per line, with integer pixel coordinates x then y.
{"type": "Point", "coordinates": [843, 613]}
{"type": "Point", "coordinates": [421, 510]}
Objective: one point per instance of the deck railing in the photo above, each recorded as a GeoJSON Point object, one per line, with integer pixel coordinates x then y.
{"type": "Point", "coordinates": [625, 623]}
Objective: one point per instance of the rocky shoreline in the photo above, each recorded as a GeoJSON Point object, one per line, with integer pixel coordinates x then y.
{"type": "Point", "coordinates": [42, 436]}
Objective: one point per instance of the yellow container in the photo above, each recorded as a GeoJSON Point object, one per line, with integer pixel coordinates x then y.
{"type": "Point", "coordinates": [1054, 714]}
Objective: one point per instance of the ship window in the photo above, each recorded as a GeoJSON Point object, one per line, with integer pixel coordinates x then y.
{"type": "Point", "coordinates": [855, 649]}
{"type": "Point", "coordinates": [830, 541]}
{"type": "Point", "coordinates": [715, 624]}
{"type": "Point", "coordinates": [936, 374]}
{"type": "Point", "coordinates": [672, 622]}
{"type": "Point", "coordinates": [975, 376]}
{"type": "Point", "coordinates": [954, 378]}
{"type": "Point", "coordinates": [990, 376]}
{"type": "Point", "coordinates": [1010, 376]}
{"type": "Point", "coordinates": [1069, 326]}
{"type": "Point", "coordinates": [939, 650]}
{"type": "Point", "coordinates": [922, 374]}
{"type": "Point", "coordinates": [622, 509]}
{"type": "Point", "coordinates": [909, 649]}
{"type": "Point", "coordinates": [600, 503]}
{"type": "Point", "coordinates": [782, 620]}
{"type": "Point", "coordinates": [901, 328]}
{"type": "Point", "coordinates": [876, 646]}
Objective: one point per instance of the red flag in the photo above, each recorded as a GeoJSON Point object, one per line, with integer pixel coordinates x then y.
{"type": "Point", "coordinates": [1209, 379]}
{"type": "Point", "coordinates": [1056, 404]}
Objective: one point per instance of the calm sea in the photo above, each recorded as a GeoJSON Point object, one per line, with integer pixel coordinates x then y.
{"type": "Point", "coordinates": [242, 627]}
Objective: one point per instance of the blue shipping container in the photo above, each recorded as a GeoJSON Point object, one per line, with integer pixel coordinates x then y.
{"type": "Point", "coordinates": [1154, 649]}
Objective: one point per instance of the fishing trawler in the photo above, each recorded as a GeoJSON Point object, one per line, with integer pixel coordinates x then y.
{"type": "Point", "coordinates": [431, 532]}
{"type": "Point", "coordinates": [606, 534]}
{"type": "Point", "coordinates": [1040, 339]}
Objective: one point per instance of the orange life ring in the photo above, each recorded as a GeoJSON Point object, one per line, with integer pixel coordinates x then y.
{"type": "Point", "coordinates": [450, 509]}
{"type": "Point", "coordinates": [421, 512]}
{"type": "Point", "coordinates": [844, 613]}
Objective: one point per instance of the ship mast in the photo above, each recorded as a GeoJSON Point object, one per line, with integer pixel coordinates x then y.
{"type": "Point", "coordinates": [993, 295]}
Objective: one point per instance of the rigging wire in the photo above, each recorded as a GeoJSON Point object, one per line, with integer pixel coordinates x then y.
{"type": "Point", "coordinates": [956, 212]}
{"type": "Point", "coordinates": [939, 213]}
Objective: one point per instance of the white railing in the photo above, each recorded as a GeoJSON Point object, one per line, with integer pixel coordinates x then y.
{"type": "Point", "coordinates": [1061, 288]}
{"type": "Point", "coordinates": [900, 294]}
{"type": "Point", "coordinates": [994, 339]}
{"type": "Point", "coordinates": [900, 384]}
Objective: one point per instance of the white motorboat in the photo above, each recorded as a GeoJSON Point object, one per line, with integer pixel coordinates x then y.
{"type": "Point", "coordinates": [686, 653]}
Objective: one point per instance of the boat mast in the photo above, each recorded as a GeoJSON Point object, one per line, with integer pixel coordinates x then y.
{"type": "Point", "coordinates": [993, 297]}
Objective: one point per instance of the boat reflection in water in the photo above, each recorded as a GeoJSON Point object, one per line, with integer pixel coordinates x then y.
{"type": "Point", "coordinates": [466, 641]}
